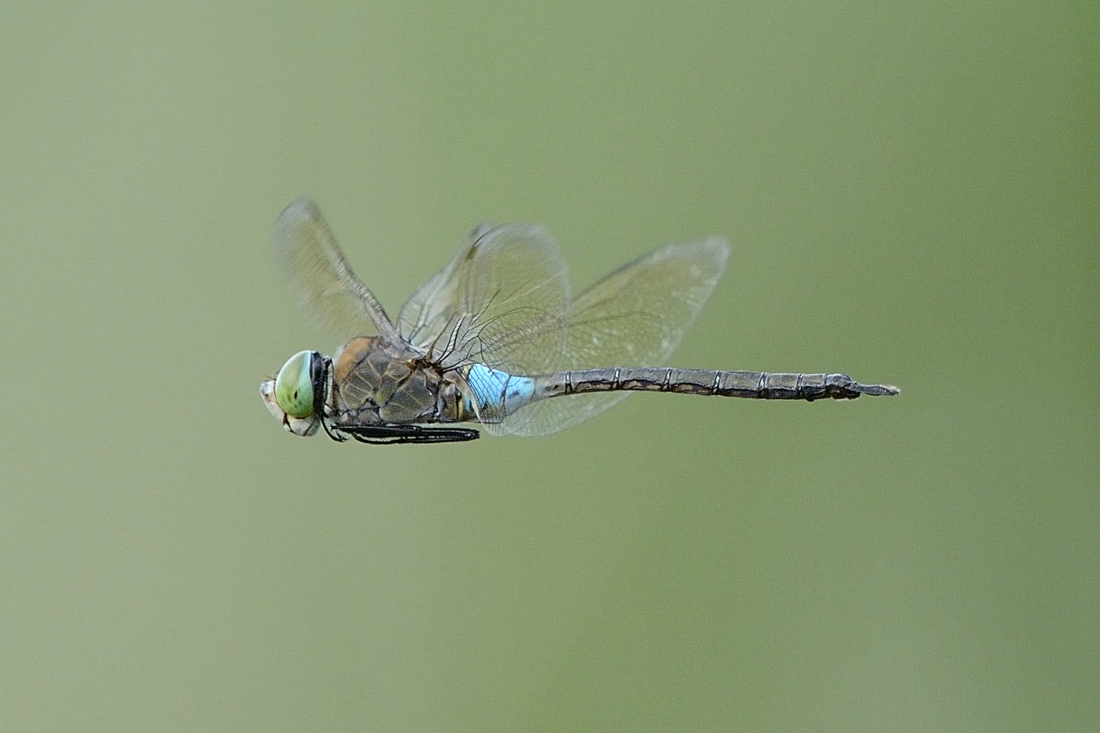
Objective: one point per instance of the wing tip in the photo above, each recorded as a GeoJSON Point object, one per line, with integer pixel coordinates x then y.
{"type": "Point", "coordinates": [303, 206]}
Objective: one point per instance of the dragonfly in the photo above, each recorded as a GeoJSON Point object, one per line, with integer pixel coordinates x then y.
{"type": "Point", "coordinates": [497, 339]}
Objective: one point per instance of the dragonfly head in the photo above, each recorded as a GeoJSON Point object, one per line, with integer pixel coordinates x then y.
{"type": "Point", "coordinates": [296, 396]}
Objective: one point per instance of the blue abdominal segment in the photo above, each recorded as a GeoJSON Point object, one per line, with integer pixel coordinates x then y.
{"type": "Point", "coordinates": [498, 394]}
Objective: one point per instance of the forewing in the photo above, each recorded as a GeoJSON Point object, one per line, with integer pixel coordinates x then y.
{"type": "Point", "coordinates": [321, 278]}
{"type": "Point", "coordinates": [635, 316]}
{"type": "Point", "coordinates": [501, 301]}
{"type": "Point", "coordinates": [432, 305]}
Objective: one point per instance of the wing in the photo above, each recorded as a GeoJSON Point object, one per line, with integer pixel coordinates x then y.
{"type": "Point", "coordinates": [426, 312]}
{"type": "Point", "coordinates": [635, 316]}
{"type": "Point", "coordinates": [502, 301]}
{"type": "Point", "coordinates": [322, 280]}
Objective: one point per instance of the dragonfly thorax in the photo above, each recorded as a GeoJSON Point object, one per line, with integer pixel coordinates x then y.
{"type": "Point", "coordinates": [377, 382]}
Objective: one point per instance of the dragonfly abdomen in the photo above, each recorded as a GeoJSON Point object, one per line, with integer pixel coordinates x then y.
{"type": "Point", "coordinates": [706, 382]}
{"type": "Point", "coordinates": [496, 394]}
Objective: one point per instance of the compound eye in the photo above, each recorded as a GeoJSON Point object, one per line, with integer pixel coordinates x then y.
{"type": "Point", "coordinates": [294, 386]}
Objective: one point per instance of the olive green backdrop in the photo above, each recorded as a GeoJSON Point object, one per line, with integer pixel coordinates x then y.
{"type": "Point", "coordinates": [911, 192]}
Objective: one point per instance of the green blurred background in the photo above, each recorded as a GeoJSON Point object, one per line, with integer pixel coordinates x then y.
{"type": "Point", "coordinates": [912, 192]}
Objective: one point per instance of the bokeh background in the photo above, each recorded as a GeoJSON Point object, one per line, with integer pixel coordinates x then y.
{"type": "Point", "coordinates": [912, 193]}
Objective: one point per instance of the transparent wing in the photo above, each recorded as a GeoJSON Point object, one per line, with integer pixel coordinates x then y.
{"type": "Point", "coordinates": [321, 278]}
{"type": "Point", "coordinates": [427, 311]}
{"type": "Point", "coordinates": [635, 316]}
{"type": "Point", "coordinates": [502, 301]}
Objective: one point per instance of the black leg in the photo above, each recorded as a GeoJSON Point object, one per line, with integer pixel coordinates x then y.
{"type": "Point", "coordinates": [403, 434]}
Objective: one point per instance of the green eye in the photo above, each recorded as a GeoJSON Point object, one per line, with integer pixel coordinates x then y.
{"type": "Point", "coordinates": [294, 386]}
